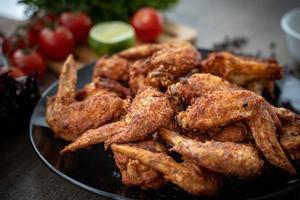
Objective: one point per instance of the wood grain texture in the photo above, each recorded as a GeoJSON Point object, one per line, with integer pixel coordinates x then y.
{"type": "Point", "coordinates": [24, 176]}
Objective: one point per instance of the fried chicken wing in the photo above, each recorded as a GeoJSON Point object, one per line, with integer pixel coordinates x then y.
{"type": "Point", "coordinates": [291, 143]}
{"type": "Point", "coordinates": [241, 70]}
{"type": "Point", "coordinates": [185, 175]}
{"type": "Point", "coordinates": [69, 114]}
{"type": "Point", "coordinates": [264, 133]}
{"type": "Point", "coordinates": [118, 66]}
{"type": "Point", "coordinates": [114, 67]}
{"type": "Point", "coordinates": [290, 137]}
{"type": "Point", "coordinates": [136, 173]}
{"type": "Point", "coordinates": [155, 65]}
{"type": "Point", "coordinates": [149, 110]}
{"type": "Point", "coordinates": [197, 85]}
{"type": "Point", "coordinates": [218, 109]}
{"type": "Point", "coordinates": [161, 64]}
{"type": "Point", "coordinates": [225, 157]}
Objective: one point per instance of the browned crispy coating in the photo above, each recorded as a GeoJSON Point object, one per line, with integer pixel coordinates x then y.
{"type": "Point", "coordinates": [197, 85]}
{"type": "Point", "coordinates": [185, 175]}
{"type": "Point", "coordinates": [264, 133]}
{"type": "Point", "coordinates": [117, 67]}
{"type": "Point", "coordinates": [236, 132]}
{"type": "Point", "coordinates": [290, 137]}
{"type": "Point", "coordinates": [69, 115]}
{"type": "Point", "coordinates": [225, 157]}
{"type": "Point", "coordinates": [141, 51]}
{"type": "Point", "coordinates": [136, 173]}
{"type": "Point", "coordinates": [226, 104]}
{"type": "Point", "coordinates": [291, 144]}
{"type": "Point", "coordinates": [164, 66]}
{"type": "Point", "coordinates": [149, 110]}
{"type": "Point", "coordinates": [218, 108]}
{"type": "Point", "coordinates": [243, 71]}
{"type": "Point", "coordinates": [156, 65]}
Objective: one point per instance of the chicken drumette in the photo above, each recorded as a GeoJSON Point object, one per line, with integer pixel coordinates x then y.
{"type": "Point", "coordinates": [149, 110]}
{"type": "Point", "coordinates": [69, 114]}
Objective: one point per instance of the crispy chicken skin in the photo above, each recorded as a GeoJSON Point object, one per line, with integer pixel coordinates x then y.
{"type": "Point", "coordinates": [263, 130]}
{"type": "Point", "coordinates": [171, 62]}
{"type": "Point", "coordinates": [149, 110]}
{"type": "Point", "coordinates": [68, 117]}
{"type": "Point", "coordinates": [236, 132]}
{"type": "Point", "coordinates": [243, 71]}
{"type": "Point", "coordinates": [135, 173]}
{"type": "Point", "coordinates": [213, 106]}
{"type": "Point", "coordinates": [230, 158]}
{"type": "Point", "coordinates": [141, 51]}
{"type": "Point", "coordinates": [155, 65]}
{"type": "Point", "coordinates": [164, 66]}
{"type": "Point", "coordinates": [290, 137]}
{"type": "Point", "coordinates": [197, 85]}
{"type": "Point", "coordinates": [185, 175]}
{"type": "Point", "coordinates": [114, 67]}
{"type": "Point", "coordinates": [218, 108]}
{"type": "Point", "coordinates": [117, 67]}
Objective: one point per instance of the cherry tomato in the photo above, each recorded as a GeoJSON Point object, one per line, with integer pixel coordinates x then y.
{"type": "Point", "coordinates": [29, 61]}
{"type": "Point", "coordinates": [148, 24]}
{"type": "Point", "coordinates": [78, 23]}
{"type": "Point", "coordinates": [36, 25]}
{"type": "Point", "coordinates": [12, 43]}
{"type": "Point", "coordinates": [56, 44]}
{"type": "Point", "coordinates": [13, 71]}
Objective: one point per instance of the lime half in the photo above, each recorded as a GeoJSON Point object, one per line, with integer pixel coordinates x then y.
{"type": "Point", "coordinates": [111, 37]}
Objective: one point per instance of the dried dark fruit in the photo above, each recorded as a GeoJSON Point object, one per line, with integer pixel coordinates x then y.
{"type": "Point", "coordinates": [17, 100]}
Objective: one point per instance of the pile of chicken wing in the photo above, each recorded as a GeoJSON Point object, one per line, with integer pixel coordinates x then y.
{"type": "Point", "coordinates": [150, 100]}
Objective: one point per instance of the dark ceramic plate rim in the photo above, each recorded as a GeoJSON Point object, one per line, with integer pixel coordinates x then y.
{"type": "Point", "coordinates": [112, 195]}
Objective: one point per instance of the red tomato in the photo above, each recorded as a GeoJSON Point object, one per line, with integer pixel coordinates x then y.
{"type": "Point", "coordinates": [29, 61]}
{"type": "Point", "coordinates": [36, 25]}
{"type": "Point", "coordinates": [56, 44]}
{"type": "Point", "coordinates": [148, 24]}
{"type": "Point", "coordinates": [78, 23]}
{"type": "Point", "coordinates": [12, 43]}
{"type": "Point", "coordinates": [13, 71]}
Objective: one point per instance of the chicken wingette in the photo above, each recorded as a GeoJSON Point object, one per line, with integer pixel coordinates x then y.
{"type": "Point", "coordinates": [70, 114]}
{"type": "Point", "coordinates": [134, 172]}
{"type": "Point", "coordinates": [186, 175]}
{"type": "Point", "coordinates": [230, 158]}
{"type": "Point", "coordinates": [149, 110]}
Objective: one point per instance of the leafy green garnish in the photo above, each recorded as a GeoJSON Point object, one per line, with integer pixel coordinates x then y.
{"type": "Point", "coordinates": [99, 10]}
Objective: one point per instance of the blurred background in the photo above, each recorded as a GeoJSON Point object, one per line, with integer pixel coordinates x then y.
{"type": "Point", "coordinates": [258, 21]}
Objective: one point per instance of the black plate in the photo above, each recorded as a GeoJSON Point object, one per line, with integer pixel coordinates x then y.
{"type": "Point", "coordinates": [94, 169]}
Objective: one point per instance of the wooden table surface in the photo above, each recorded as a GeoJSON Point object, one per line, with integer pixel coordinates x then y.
{"type": "Point", "coordinates": [24, 176]}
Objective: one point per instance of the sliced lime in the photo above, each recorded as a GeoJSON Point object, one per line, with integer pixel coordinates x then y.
{"type": "Point", "coordinates": [111, 37]}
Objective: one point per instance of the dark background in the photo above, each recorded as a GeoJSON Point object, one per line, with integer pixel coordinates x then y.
{"type": "Point", "coordinates": [24, 176]}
